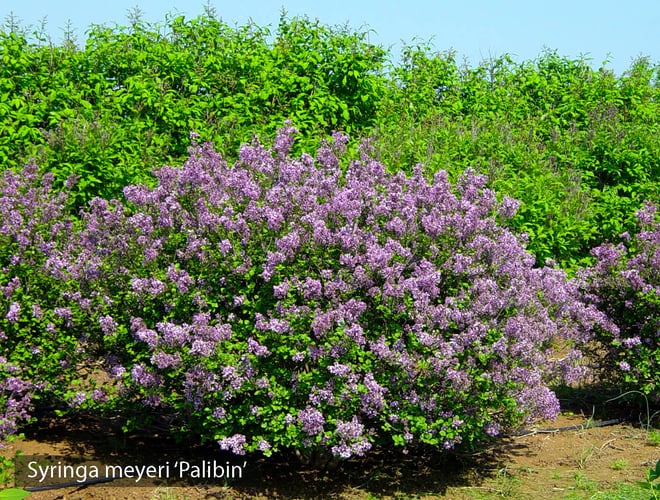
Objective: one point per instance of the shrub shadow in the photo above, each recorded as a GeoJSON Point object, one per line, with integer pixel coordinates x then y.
{"type": "Point", "coordinates": [382, 473]}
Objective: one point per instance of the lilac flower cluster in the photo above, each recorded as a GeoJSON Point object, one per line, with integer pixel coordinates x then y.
{"type": "Point", "coordinates": [15, 398]}
{"type": "Point", "coordinates": [311, 421]}
{"type": "Point", "coordinates": [316, 303]}
{"type": "Point", "coordinates": [351, 439]}
{"type": "Point", "coordinates": [235, 444]}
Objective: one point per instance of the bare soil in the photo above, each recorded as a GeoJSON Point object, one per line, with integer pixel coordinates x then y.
{"type": "Point", "coordinates": [563, 464]}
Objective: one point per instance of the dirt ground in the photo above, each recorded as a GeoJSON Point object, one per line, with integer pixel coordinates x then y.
{"type": "Point", "coordinates": [567, 464]}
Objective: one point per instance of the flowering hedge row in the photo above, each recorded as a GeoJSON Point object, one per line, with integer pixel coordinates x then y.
{"type": "Point", "coordinates": [315, 304]}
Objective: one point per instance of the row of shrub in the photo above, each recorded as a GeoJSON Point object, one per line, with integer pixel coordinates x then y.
{"type": "Point", "coordinates": [576, 145]}
{"type": "Point", "coordinates": [318, 304]}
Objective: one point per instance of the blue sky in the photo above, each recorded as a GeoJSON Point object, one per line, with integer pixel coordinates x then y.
{"type": "Point", "coordinates": [619, 31]}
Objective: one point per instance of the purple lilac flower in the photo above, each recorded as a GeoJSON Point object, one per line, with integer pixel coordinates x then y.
{"type": "Point", "coordinates": [312, 289]}
{"type": "Point", "coordinates": [339, 369]}
{"type": "Point", "coordinates": [14, 384]}
{"type": "Point", "coordinates": [508, 207]}
{"type": "Point", "coordinates": [148, 286]}
{"type": "Point", "coordinates": [142, 333]}
{"type": "Point", "coordinates": [108, 325]}
{"type": "Point", "coordinates": [143, 377]}
{"type": "Point", "coordinates": [319, 395]}
{"type": "Point", "coordinates": [9, 289]}
{"type": "Point", "coordinates": [152, 400]}
{"type": "Point", "coordinates": [278, 325]}
{"type": "Point", "coordinates": [117, 371]}
{"type": "Point", "coordinates": [263, 383]}
{"type": "Point", "coordinates": [99, 396]}
{"type": "Point", "coordinates": [78, 399]}
{"type": "Point", "coordinates": [449, 444]}
{"type": "Point", "coordinates": [202, 348]}
{"type": "Point", "coordinates": [373, 399]}
{"type": "Point", "coordinates": [284, 139]}
{"type": "Point", "coordinates": [36, 311]}
{"type": "Point", "coordinates": [631, 342]}
{"type": "Point", "coordinates": [311, 420]}
{"type": "Point", "coordinates": [298, 357]}
{"type": "Point", "coordinates": [356, 334]}
{"type": "Point", "coordinates": [281, 290]}
{"type": "Point", "coordinates": [541, 400]}
{"type": "Point", "coordinates": [225, 246]}
{"type": "Point", "coordinates": [14, 311]}
{"type": "Point", "coordinates": [198, 382]}
{"type": "Point", "coordinates": [493, 429]}
{"type": "Point", "coordinates": [349, 430]}
{"type": "Point", "coordinates": [235, 444]}
{"type": "Point", "coordinates": [255, 348]}
{"type": "Point", "coordinates": [180, 278]}
{"type": "Point", "coordinates": [263, 445]}
{"type": "Point", "coordinates": [164, 360]}
{"type": "Point", "coordinates": [172, 334]}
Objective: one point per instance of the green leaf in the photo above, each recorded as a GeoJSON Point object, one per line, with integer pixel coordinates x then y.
{"type": "Point", "coordinates": [13, 494]}
{"type": "Point", "coordinates": [655, 473]}
{"type": "Point", "coordinates": [644, 485]}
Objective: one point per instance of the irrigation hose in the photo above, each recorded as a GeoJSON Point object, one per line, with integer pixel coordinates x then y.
{"type": "Point", "coordinates": [71, 484]}
{"type": "Point", "coordinates": [530, 432]}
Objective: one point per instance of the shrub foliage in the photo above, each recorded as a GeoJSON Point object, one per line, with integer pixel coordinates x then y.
{"type": "Point", "coordinates": [125, 102]}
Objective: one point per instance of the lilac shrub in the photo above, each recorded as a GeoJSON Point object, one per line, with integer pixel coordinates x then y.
{"type": "Point", "coordinates": [40, 344]}
{"type": "Point", "coordinates": [323, 305]}
{"type": "Point", "coordinates": [624, 283]}
{"type": "Point", "coordinates": [314, 304]}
